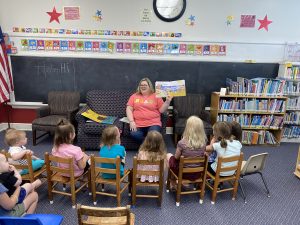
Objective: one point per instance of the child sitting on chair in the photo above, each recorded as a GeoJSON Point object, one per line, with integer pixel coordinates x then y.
{"type": "Point", "coordinates": [11, 179]}
{"type": "Point", "coordinates": [111, 148]}
{"type": "Point", "coordinates": [16, 139]}
{"type": "Point", "coordinates": [63, 147]}
{"type": "Point", "coordinates": [153, 149]}
{"type": "Point", "coordinates": [192, 144]}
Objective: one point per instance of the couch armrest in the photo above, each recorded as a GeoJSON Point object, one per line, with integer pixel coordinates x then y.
{"type": "Point", "coordinates": [79, 118]}
{"type": "Point", "coordinates": [71, 114]}
{"type": "Point", "coordinates": [42, 111]}
{"type": "Point", "coordinates": [175, 114]}
{"type": "Point", "coordinates": [205, 116]}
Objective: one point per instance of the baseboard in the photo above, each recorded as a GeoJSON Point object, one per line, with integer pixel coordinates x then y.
{"type": "Point", "coordinates": [18, 126]}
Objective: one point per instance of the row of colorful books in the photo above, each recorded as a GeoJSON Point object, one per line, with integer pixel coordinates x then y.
{"type": "Point", "coordinates": [293, 103]}
{"type": "Point", "coordinates": [291, 132]}
{"type": "Point", "coordinates": [123, 47]}
{"type": "Point", "coordinates": [259, 105]}
{"type": "Point", "coordinates": [292, 88]}
{"type": "Point", "coordinates": [256, 86]}
{"type": "Point", "coordinates": [292, 72]}
{"type": "Point", "coordinates": [258, 137]}
{"type": "Point", "coordinates": [292, 118]}
{"type": "Point", "coordinates": [257, 121]}
{"type": "Point", "coordinates": [30, 30]}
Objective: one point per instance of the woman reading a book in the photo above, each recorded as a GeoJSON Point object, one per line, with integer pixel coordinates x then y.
{"type": "Point", "coordinates": [143, 110]}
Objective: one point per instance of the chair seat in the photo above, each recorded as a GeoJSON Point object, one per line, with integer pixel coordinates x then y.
{"type": "Point", "coordinates": [35, 173]}
{"type": "Point", "coordinates": [46, 219]}
{"type": "Point", "coordinates": [52, 120]}
{"type": "Point", "coordinates": [111, 181]}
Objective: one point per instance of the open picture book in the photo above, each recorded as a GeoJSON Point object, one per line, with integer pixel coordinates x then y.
{"type": "Point", "coordinates": [90, 114]}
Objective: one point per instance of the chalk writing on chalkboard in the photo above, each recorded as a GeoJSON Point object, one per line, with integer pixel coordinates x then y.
{"type": "Point", "coordinates": [58, 70]}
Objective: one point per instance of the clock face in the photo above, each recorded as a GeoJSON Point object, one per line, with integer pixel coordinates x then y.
{"type": "Point", "coordinates": [169, 10]}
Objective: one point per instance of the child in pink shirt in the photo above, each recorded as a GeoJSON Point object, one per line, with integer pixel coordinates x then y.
{"type": "Point", "coordinates": [63, 147]}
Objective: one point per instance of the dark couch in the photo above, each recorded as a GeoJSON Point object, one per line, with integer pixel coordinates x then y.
{"type": "Point", "coordinates": [112, 103]}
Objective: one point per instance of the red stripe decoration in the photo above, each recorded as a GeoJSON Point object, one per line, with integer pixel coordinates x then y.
{"type": "Point", "coordinates": [6, 84]}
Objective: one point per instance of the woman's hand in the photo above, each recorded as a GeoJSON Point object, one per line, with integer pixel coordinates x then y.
{"type": "Point", "coordinates": [169, 98]}
{"type": "Point", "coordinates": [132, 126]}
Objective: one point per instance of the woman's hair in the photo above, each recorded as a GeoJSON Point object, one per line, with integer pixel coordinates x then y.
{"type": "Point", "coordinates": [64, 133]}
{"type": "Point", "coordinates": [138, 90]}
{"type": "Point", "coordinates": [110, 136]}
{"type": "Point", "coordinates": [236, 130]}
{"type": "Point", "coordinates": [13, 136]}
{"type": "Point", "coordinates": [154, 146]}
{"type": "Point", "coordinates": [222, 132]}
{"type": "Point", "coordinates": [194, 133]}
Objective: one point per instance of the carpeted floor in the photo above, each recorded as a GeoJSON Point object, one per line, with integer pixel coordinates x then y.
{"type": "Point", "coordinates": [282, 208]}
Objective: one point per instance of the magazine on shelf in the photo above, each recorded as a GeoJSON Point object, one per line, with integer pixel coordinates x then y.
{"type": "Point", "coordinates": [90, 114]}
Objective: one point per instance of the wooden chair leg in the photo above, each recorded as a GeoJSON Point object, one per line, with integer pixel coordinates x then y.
{"type": "Point", "coordinates": [73, 195]}
{"type": "Point", "coordinates": [168, 180]}
{"type": "Point", "coordinates": [214, 192]}
{"type": "Point", "coordinates": [50, 194]}
{"type": "Point", "coordinates": [178, 193]}
{"type": "Point", "coordinates": [235, 188]}
{"type": "Point", "coordinates": [160, 190]}
{"type": "Point", "coordinates": [93, 187]}
{"type": "Point", "coordinates": [175, 138]}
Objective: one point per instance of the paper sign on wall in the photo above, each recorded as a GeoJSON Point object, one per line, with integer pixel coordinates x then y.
{"type": "Point", "coordinates": [71, 12]}
{"type": "Point", "coordinates": [248, 21]}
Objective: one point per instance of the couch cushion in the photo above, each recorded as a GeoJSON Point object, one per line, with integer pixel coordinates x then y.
{"type": "Point", "coordinates": [52, 120]}
{"type": "Point", "coordinates": [111, 103]}
{"type": "Point", "coordinates": [97, 128]}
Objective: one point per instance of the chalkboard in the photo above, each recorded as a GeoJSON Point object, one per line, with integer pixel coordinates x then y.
{"type": "Point", "coordinates": [34, 77]}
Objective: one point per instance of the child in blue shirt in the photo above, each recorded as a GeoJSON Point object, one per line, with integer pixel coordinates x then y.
{"type": "Point", "coordinates": [112, 148]}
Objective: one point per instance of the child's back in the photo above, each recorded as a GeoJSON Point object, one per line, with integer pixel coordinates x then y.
{"type": "Point", "coordinates": [111, 148]}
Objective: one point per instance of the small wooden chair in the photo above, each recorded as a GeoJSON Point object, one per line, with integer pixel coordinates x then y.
{"type": "Point", "coordinates": [32, 175]}
{"type": "Point", "coordinates": [94, 215]}
{"type": "Point", "coordinates": [297, 169]}
{"type": "Point", "coordinates": [180, 181]}
{"type": "Point", "coordinates": [138, 173]}
{"type": "Point", "coordinates": [232, 180]}
{"type": "Point", "coordinates": [97, 179]}
{"type": "Point", "coordinates": [55, 177]}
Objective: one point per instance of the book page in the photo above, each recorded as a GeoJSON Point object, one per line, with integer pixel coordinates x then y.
{"type": "Point", "coordinates": [171, 88]}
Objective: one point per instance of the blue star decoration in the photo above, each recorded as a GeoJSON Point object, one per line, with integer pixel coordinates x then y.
{"type": "Point", "coordinates": [192, 18]}
{"type": "Point", "coordinates": [98, 13]}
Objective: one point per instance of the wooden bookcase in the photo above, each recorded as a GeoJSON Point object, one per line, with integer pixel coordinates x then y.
{"type": "Point", "coordinates": [261, 117]}
{"type": "Point", "coordinates": [290, 72]}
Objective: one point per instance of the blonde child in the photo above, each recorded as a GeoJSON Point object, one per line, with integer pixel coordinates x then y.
{"type": "Point", "coordinates": [16, 140]}
{"type": "Point", "coordinates": [192, 144]}
{"type": "Point", "coordinates": [152, 149]}
{"type": "Point", "coordinates": [111, 148]}
{"type": "Point", "coordinates": [224, 145]}
{"type": "Point", "coordinates": [11, 180]}
{"type": "Point", "coordinates": [63, 147]}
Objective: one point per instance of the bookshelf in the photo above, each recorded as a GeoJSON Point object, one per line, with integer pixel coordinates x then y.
{"type": "Point", "coordinates": [261, 117]}
{"type": "Point", "coordinates": [290, 72]}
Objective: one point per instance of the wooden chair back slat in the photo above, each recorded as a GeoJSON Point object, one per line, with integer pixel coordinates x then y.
{"type": "Point", "coordinates": [138, 172]}
{"type": "Point", "coordinates": [97, 171]}
{"type": "Point", "coordinates": [233, 180]}
{"type": "Point", "coordinates": [63, 176]}
{"type": "Point", "coordinates": [96, 215]}
{"type": "Point", "coordinates": [184, 168]}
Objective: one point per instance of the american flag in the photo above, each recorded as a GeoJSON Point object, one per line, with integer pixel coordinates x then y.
{"type": "Point", "coordinates": [6, 85]}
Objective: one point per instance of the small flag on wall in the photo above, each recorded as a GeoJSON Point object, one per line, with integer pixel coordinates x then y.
{"type": "Point", "coordinates": [6, 85]}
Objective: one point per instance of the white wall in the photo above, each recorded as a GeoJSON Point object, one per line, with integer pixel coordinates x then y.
{"type": "Point", "coordinates": [210, 25]}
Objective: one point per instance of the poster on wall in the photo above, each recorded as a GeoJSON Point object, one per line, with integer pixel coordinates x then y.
{"type": "Point", "coordinates": [71, 12]}
{"type": "Point", "coordinates": [247, 21]}
{"type": "Point", "coordinates": [146, 16]}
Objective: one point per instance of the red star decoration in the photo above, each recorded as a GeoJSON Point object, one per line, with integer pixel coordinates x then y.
{"type": "Point", "coordinates": [264, 23]}
{"type": "Point", "coordinates": [54, 15]}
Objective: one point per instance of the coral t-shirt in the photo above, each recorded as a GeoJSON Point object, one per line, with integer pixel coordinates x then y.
{"type": "Point", "coordinates": [145, 109]}
{"type": "Point", "coordinates": [67, 151]}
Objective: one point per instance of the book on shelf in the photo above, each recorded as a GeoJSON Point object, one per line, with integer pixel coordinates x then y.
{"type": "Point", "coordinates": [104, 119]}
